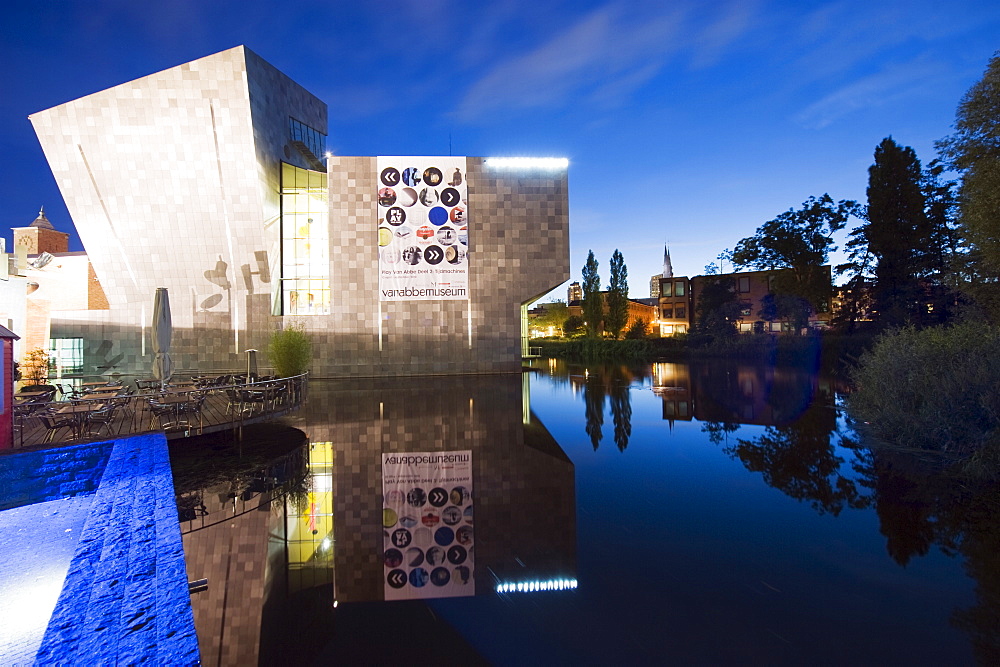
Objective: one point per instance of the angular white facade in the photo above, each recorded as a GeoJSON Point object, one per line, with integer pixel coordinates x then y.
{"type": "Point", "coordinates": [175, 180]}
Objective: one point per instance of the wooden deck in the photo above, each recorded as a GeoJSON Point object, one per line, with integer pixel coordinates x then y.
{"type": "Point", "coordinates": [179, 411]}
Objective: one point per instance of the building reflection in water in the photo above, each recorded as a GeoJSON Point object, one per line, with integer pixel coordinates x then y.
{"type": "Point", "coordinates": [523, 483]}
{"type": "Point", "coordinates": [280, 548]}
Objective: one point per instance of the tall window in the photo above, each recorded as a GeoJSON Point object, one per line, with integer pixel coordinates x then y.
{"type": "Point", "coordinates": [305, 242]}
{"type": "Point", "coordinates": [65, 356]}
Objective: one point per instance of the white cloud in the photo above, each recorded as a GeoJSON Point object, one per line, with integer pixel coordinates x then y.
{"type": "Point", "coordinates": [886, 86]}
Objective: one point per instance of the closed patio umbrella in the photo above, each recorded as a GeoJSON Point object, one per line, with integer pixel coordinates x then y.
{"type": "Point", "coordinates": [163, 367]}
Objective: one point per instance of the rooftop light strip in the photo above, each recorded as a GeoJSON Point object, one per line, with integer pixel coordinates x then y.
{"type": "Point", "coordinates": [547, 163]}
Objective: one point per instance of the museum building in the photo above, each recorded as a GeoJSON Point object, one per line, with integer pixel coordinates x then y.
{"type": "Point", "coordinates": [212, 179]}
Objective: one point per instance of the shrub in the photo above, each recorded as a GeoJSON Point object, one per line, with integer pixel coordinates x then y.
{"type": "Point", "coordinates": [35, 368]}
{"type": "Point", "coordinates": [934, 389]}
{"type": "Point", "coordinates": [289, 351]}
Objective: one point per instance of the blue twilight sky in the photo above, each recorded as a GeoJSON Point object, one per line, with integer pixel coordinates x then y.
{"type": "Point", "coordinates": [685, 122]}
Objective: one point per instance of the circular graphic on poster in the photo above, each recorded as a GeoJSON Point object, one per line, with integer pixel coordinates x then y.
{"type": "Point", "coordinates": [401, 538]}
{"type": "Point", "coordinates": [463, 235]}
{"type": "Point", "coordinates": [468, 514]}
{"type": "Point", "coordinates": [443, 536]}
{"type": "Point", "coordinates": [432, 176]}
{"type": "Point", "coordinates": [386, 197]}
{"type": "Point", "coordinates": [411, 176]}
{"type": "Point", "coordinates": [446, 235]}
{"type": "Point", "coordinates": [437, 497]}
{"type": "Point", "coordinates": [454, 254]}
{"type": "Point", "coordinates": [418, 577]}
{"type": "Point", "coordinates": [451, 515]}
{"type": "Point", "coordinates": [457, 554]}
{"type": "Point", "coordinates": [394, 497]}
{"type": "Point", "coordinates": [389, 517]}
{"type": "Point", "coordinates": [461, 574]}
{"type": "Point", "coordinates": [428, 197]}
{"type": "Point", "coordinates": [407, 521]}
{"type": "Point", "coordinates": [422, 537]}
{"type": "Point", "coordinates": [457, 214]}
{"type": "Point", "coordinates": [416, 496]}
{"type": "Point", "coordinates": [464, 535]}
{"type": "Point", "coordinates": [459, 496]}
{"type": "Point", "coordinates": [433, 255]}
{"type": "Point", "coordinates": [411, 256]}
{"type": "Point", "coordinates": [407, 197]}
{"type": "Point", "coordinates": [390, 176]}
{"type": "Point", "coordinates": [395, 216]}
{"type": "Point", "coordinates": [430, 519]}
{"type": "Point", "coordinates": [440, 576]}
{"type": "Point", "coordinates": [414, 557]}
{"type": "Point", "coordinates": [435, 556]}
{"type": "Point", "coordinates": [384, 236]}
{"type": "Point", "coordinates": [456, 178]}
{"type": "Point", "coordinates": [424, 233]}
{"type": "Point", "coordinates": [396, 578]}
{"type": "Point", "coordinates": [438, 215]}
{"type": "Point", "coordinates": [403, 233]}
{"type": "Point", "coordinates": [450, 197]}
{"type": "Point", "coordinates": [393, 558]}
{"type": "Point", "coordinates": [390, 255]}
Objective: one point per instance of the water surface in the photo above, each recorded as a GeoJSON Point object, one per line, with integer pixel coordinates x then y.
{"type": "Point", "coordinates": [700, 513]}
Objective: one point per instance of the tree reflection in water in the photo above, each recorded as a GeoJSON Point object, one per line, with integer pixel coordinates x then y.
{"type": "Point", "coordinates": [613, 382]}
{"type": "Point", "coordinates": [809, 454]}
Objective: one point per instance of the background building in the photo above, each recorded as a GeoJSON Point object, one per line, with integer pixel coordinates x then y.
{"type": "Point", "coordinates": [210, 179]}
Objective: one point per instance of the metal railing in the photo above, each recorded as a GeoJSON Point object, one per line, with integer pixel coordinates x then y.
{"type": "Point", "coordinates": [182, 409]}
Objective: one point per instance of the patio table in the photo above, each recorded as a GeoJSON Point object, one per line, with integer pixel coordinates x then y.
{"type": "Point", "coordinates": [79, 412]}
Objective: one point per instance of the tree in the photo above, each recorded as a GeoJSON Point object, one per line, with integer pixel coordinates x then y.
{"type": "Point", "coordinates": [593, 302]}
{"type": "Point", "coordinates": [35, 368]}
{"type": "Point", "coordinates": [898, 233]}
{"type": "Point", "coordinates": [718, 308]}
{"type": "Point", "coordinates": [572, 325]}
{"type": "Point", "coordinates": [617, 315]}
{"type": "Point", "coordinates": [974, 151]}
{"type": "Point", "coordinates": [638, 329]}
{"type": "Point", "coordinates": [552, 314]}
{"type": "Point", "coordinates": [800, 241]}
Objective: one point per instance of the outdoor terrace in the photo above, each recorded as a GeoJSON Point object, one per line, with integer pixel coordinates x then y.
{"type": "Point", "coordinates": [84, 411]}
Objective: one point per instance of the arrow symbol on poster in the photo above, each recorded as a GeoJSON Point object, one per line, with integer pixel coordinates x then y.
{"type": "Point", "coordinates": [397, 578]}
{"type": "Point", "coordinates": [437, 497]}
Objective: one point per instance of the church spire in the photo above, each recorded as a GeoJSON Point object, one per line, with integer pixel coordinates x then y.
{"type": "Point", "coordinates": [668, 268]}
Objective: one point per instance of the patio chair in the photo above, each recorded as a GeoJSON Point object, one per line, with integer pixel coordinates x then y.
{"type": "Point", "coordinates": [102, 418]}
{"type": "Point", "coordinates": [54, 422]}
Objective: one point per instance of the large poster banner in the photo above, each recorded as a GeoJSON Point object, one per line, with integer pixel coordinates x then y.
{"type": "Point", "coordinates": [423, 233]}
{"type": "Point", "coordinates": [427, 525]}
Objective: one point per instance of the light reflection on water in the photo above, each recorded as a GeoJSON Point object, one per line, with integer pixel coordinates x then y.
{"type": "Point", "coordinates": [712, 512]}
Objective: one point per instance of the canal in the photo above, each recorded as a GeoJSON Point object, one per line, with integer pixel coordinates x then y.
{"type": "Point", "coordinates": [693, 513]}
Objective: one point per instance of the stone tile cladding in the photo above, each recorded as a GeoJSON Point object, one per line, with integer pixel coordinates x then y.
{"type": "Point", "coordinates": [172, 181]}
{"type": "Point", "coordinates": [524, 495]}
{"type": "Point", "coordinates": [518, 250]}
{"type": "Point", "coordinates": [125, 599]}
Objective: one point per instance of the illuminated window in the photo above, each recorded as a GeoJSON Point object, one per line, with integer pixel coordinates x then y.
{"type": "Point", "coordinates": [65, 356]}
{"type": "Point", "coordinates": [666, 289]}
{"type": "Point", "coordinates": [305, 242]}
{"type": "Point", "coordinates": [679, 288]}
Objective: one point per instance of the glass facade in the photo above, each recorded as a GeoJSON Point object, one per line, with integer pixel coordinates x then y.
{"type": "Point", "coordinates": [65, 356]}
{"type": "Point", "coordinates": [314, 140]}
{"type": "Point", "coordinates": [305, 242]}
